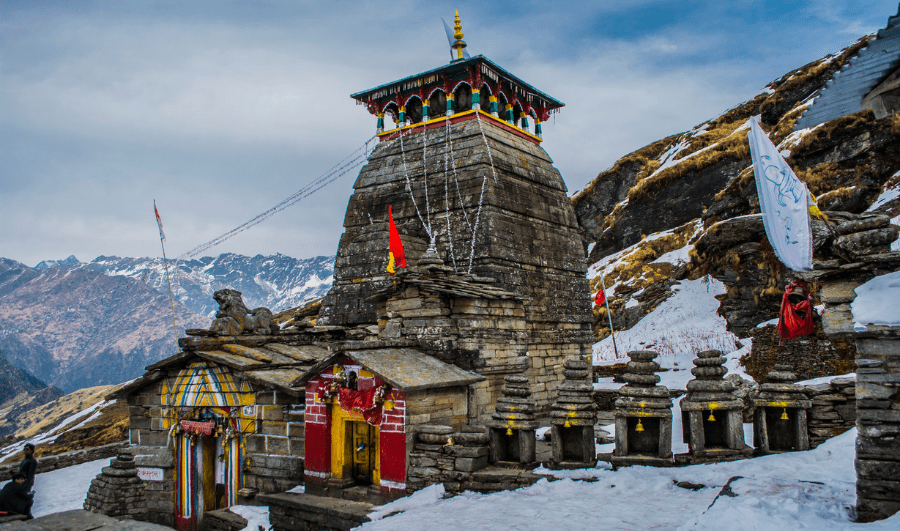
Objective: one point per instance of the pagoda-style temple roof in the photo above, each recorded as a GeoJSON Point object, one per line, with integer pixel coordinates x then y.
{"type": "Point", "coordinates": [456, 72]}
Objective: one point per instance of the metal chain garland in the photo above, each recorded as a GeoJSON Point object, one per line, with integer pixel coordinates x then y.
{"type": "Point", "coordinates": [455, 176]}
{"type": "Point", "coordinates": [477, 219]}
{"type": "Point", "coordinates": [409, 183]}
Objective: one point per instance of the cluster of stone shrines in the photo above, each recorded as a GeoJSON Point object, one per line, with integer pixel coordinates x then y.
{"type": "Point", "coordinates": [475, 84]}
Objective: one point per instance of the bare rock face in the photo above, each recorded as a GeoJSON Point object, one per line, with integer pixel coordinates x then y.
{"type": "Point", "coordinates": [233, 318]}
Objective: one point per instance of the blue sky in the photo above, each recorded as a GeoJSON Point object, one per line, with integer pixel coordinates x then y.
{"type": "Point", "coordinates": [219, 110]}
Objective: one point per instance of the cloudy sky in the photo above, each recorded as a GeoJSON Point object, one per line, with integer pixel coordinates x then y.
{"type": "Point", "coordinates": [221, 109]}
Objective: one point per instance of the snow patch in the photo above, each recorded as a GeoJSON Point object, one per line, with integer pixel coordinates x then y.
{"type": "Point", "coordinates": [257, 517]}
{"type": "Point", "coordinates": [877, 301]}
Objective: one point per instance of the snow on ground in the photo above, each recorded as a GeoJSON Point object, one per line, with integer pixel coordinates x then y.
{"type": "Point", "coordinates": [681, 326]}
{"type": "Point", "coordinates": [878, 301]}
{"type": "Point", "coordinates": [64, 489]}
{"type": "Point", "coordinates": [778, 492]}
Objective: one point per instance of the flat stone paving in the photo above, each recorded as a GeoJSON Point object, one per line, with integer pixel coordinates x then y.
{"type": "Point", "coordinates": [80, 520]}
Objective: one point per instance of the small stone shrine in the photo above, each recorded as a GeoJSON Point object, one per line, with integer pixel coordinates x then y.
{"type": "Point", "coordinates": [513, 426]}
{"type": "Point", "coordinates": [572, 419]}
{"type": "Point", "coordinates": [219, 418]}
{"type": "Point", "coordinates": [118, 491]}
{"type": "Point", "coordinates": [711, 416]}
{"type": "Point", "coordinates": [779, 424]}
{"type": "Point", "coordinates": [643, 415]}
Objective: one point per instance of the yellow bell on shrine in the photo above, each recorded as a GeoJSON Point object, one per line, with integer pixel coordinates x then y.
{"type": "Point", "coordinates": [711, 417]}
{"type": "Point", "coordinates": [567, 424]}
{"type": "Point", "coordinates": [784, 415]}
{"type": "Point", "coordinates": [509, 431]}
{"type": "Point", "coordinates": [639, 427]}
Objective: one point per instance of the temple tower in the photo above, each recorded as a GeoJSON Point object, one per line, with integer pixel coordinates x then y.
{"type": "Point", "coordinates": [463, 169]}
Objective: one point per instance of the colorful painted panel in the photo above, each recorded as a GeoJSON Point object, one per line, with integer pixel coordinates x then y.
{"type": "Point", "coordinates": [203, 384]}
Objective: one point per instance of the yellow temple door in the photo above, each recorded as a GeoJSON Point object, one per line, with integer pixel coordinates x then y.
{"type": "Point", "coordinates": [362, 452]}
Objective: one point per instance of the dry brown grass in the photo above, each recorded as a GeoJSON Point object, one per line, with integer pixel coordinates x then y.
{"type": "Point", "coordinates": [734, 147]}
{"type": "Point", "coordinates": [641, 156]}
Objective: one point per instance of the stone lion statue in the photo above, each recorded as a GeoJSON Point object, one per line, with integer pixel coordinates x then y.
{"type": "Point", "coordinates": [233, 317]}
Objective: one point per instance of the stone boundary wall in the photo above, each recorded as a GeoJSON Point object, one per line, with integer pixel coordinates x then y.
{"type": "Point", "coordinates": [833, 409]}
{"type": "Point", "coordinates": [67, 459]}
{"type": "Point", "coordinates": [460, 466]}
{"type": "Point", "coordinates": [878, 419]}
{"type": "Point", "coordinates": [303, 512]}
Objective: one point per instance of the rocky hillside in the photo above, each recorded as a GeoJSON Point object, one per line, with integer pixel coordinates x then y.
{"type": "Point", "coordinates": [642, 217]}
{"type": "Point", "coordinates": [20, 392]}
{"type": "Point", "coordinates": [83, 419]}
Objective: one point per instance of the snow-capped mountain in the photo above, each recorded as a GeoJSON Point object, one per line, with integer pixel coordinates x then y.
{"type": "Point", "coordinates": [47, 264]}
{"type": "Point", "coordinates": [276, 282]}
{"type": "Point", "coordinates": [76, 325]}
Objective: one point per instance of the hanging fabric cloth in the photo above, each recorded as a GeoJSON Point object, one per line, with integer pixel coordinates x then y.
{"type": "Point", "coordinates": [795, 318]}
{"type": "Point", "coordinates": [600, 298]}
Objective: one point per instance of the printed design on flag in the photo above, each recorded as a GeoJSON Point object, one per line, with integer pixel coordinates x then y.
{"type": "Point", "coordinates": [787, 185]}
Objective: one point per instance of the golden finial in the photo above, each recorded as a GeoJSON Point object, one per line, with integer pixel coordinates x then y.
{"type": "Point", "coordinates": [459, 44]}
{"type": "Point", "coordinates": [457, 27]}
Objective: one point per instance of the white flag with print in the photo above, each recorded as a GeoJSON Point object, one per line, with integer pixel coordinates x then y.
{"type": "Point", "coordinates": [783, 200]}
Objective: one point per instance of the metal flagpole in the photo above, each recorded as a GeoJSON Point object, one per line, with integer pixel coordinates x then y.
{"type": "Point", "coordinates": [609, 316]}
{"type": "Point", "coordinates": [162, 239]}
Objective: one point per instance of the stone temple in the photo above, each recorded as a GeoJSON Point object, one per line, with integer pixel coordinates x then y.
{"type": "Point", "coordinates": [466, 177]}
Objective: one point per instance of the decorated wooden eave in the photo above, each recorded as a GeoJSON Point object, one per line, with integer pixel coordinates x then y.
{"type": "Point", "coordinates": [405, 369]}
{"type": "Point", "coordinates": [477, 68]}
{"type": "Point", "coordinates": [427, 99]}
{"type": "Point", "coordinates": [272, 366]}
{"type": "Point", "coordinates": [453, 93]}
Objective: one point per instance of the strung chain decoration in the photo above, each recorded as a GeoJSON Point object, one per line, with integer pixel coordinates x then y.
{"type": "Point", "coordinates": [475, 230]}
{"type": "Point", "coordinates": [409, 184]}
{"type": "Point", "coordinates": [486, 145]}
{"type": "Point", "coordinates": [455, 176]}
{"type": "Point", "coordinates": [447, 203]}
{"type": "Point", "coordinates": [432, 245]}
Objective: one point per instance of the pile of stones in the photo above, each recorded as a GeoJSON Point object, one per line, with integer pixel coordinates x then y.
{"type": "Point", "coordinates": [444, 455]}
{"type": "Point", "coordinates": [117, 491]}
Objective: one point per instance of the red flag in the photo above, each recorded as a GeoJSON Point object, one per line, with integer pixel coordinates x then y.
{"type": "Point", "coordinates": [395, 246]}
{"type": "Point", "coordinates": [162, 235]}
{"type": "Point", "coordinates": [600, 298]}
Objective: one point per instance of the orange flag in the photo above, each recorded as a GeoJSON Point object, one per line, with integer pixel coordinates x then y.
{"type": "Point", "coordinates": [395, 249]}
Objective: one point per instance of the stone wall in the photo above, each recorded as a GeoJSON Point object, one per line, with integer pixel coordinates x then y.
{"type": "Point", "coordinates": [67, 459]}
{"type": "Point", "coordinates": [810, 357]}
{"type": "Point", "coordinates": [833, 409]}
{"type": "Point", "coordinates": [461, 465]}
{"type": "Point", "coordinates": [878, 419]}
{"type": "Point", "coordinates": [300, 512]}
